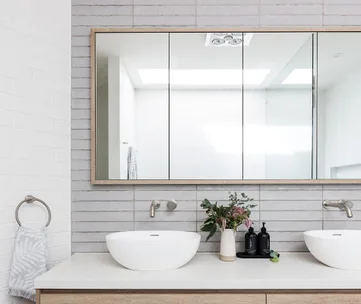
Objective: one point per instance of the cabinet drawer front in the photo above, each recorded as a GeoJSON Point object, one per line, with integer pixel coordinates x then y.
{"type": "Point", "coordinates": [104, 298]}
{"type": "Point", "coordinates": [336, 298]}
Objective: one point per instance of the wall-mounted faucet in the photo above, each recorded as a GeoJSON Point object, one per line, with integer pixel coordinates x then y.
{"type": "Point", "coordinates": [341, 204]}
{"type": "Point", "coordinates": [154, 205]}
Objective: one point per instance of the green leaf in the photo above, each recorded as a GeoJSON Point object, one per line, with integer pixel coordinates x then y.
{"type": "Point", "coordinates": [212, 232]}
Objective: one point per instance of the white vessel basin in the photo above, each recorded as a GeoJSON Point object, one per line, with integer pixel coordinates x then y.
{"type": "Point", "coordinates": [153, 250]}
{"type": "Point", "coordinates": [335, 248]}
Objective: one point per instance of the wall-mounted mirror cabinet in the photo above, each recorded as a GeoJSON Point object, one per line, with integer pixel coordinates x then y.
{"type": "Point", "coordinates": [226, 107]}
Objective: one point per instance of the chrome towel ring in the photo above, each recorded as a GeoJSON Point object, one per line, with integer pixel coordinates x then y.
{"type": "Point", "coordinates": [31, 199]}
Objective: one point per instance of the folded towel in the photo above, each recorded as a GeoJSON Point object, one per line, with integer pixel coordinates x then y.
{"type": "Point", "coordinates": [29, 261]}
{"type": "Point", "coordinates": [132, 164]}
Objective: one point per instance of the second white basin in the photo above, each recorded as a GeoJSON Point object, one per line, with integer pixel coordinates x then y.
{"type": "Point", "coordinates": [336, 248]}
{"type": "Point", "coordinates": [153, 250]}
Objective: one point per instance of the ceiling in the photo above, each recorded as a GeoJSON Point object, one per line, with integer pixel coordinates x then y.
{"type": "Point", "coordinates": [279, 53]}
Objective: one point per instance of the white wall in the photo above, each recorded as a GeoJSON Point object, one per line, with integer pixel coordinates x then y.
{"type": "Point", "coordinates": [340, 128]}
{"type": "Point", "coordinates": [34, 123]}
{"type": "Point", "coordinates": [121, 118]}
{"type": "Point", "coordinates": [206, 136]}
{"type": "Point", "coordinates": [289, 134]}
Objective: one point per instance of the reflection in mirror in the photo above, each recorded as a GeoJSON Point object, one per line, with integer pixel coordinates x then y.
{"type": "Point", "coordinates": [278, 106]}
{"type": "Point", "coordinates": [131, 108]}
{"type": "Point", "coordinates": [205, 106]}
{"type": "Point", "coordinates": [339, 123]}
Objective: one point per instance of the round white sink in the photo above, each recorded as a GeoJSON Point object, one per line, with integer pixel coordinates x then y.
{"type": "Point", "coordinates": [153, 250]}
{"type": "Point", "coordinates": [335, 248]}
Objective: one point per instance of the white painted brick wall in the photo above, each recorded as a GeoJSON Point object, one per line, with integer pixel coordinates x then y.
{"type": "Point", "coordinates": [34, 123]}
{"type": "Point", "coordinates": [285, 208]}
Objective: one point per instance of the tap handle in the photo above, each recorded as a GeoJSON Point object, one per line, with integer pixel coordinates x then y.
{"type": "Point", "coordinates": [172, 204]}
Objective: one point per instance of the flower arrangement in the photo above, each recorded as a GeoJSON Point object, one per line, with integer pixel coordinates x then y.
{"type": "Point", "coordinates": [227, 217]}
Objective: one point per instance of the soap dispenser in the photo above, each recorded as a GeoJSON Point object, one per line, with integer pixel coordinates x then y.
{"type": "Point", "coordinates": [264, 241]}
{"type": "Point", "coordinates": [251, 242]}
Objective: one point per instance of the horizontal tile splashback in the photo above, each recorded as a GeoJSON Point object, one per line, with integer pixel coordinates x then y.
{"type": "Point", "coordinates": [288, 210]}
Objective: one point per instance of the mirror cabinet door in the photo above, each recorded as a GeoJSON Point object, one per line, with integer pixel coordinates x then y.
{"type": "Point", "coordinates": [205, 107]}
{"type": "Point", "coordinates": [278, 106]}
{"type": "Point", "coordinates": [339, 105]}
{"type": "Point", "coordinates": [132, 106]}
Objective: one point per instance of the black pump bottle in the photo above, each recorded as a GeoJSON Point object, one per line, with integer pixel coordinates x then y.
{"type": "Point", "coordinates": [251, 242]}
{"type": "Point", "coordinates": [264, 241]}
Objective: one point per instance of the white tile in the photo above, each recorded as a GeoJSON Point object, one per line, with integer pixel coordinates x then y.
{"type": "Point", "coordinates": [225, 2]}
{"type": "Point", "coordinates": [291, 9]}
{"type": "Point", "coordinates": [102, 10]}
{"type": "Point", "coordinates": [292, 205]}
{"type": "Point", "coordinates": [228, 188]}
{"type": "Point", "coordinates": [333, 20]}
{"type": "Point", "coordinates": [164, 10]}
{"type": "Point", "coordinates": [342, 10]}
{"type": "Point", "coordinates": [80, 72]}
{"type": "Point", "coordinates": [164, 187]}
{"type": "Point", "coordinates": [289, 247]}
{"type": "Point", "coordinates": [81, 41]}
{"type": "Point", "coordinates": [165, 195]}
{"type": "Point", "coordinates": [342, 225]}
{"type": "Point", "coordinates": [102, 20]}
{"type": "Point", "coordinates": [293, 226]}
{"type": "Point", "coordinates": [165, 216]}
{"type": "Point", "coordinates": [80, 134]}
{"type": "Point", "coordinates": [102, 195]}
{"type": "Point", "coordinates": [280, 215]}
{"type": "Point", "coordinates": [164, 2]}
{"type": "Point", "coordinates": [290, 195]}
{"type": "Point", "coordinates": [340, 215]}
{"type": "Point", "coordinates": [227, 10]}
{"type": "Point", "coordinates": [300, 2]}
{"type": "Point", "coordinates": [80, 93]}
{"type": "Point", "coordinates": [103, 2]}
{"type": "Point", "coordinates": [227, 20]}
{"type": "Point", "coordinates": [103, 206]}
{"type": "Point", "coordinates": [183, 226]}
{"type": "Point", "coordinates": [80, 82]}
{"type": "Point", "coordinates": [291, 20]}
{"type": "Point", "coordinates": [84, 237]}
{"type": "Point", "coordinates": [164, 20]}
{"type": "Point", "coordinates": [341, 2]}
{"type": "Point", "coordinates": [287, 236]}
{"type": "Point", "coordinates": [342, 195]}
{"type": "Point", "coordinates": [101, 216]}
{"type": "Point", "coordinates": [101, 226]}
{"type": "Point", "coordinates": [89, 247]}
{"type": "Point", "coordinates": [80, 51]}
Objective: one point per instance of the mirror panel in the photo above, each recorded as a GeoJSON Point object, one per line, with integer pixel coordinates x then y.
{"type": "Point", "coordinates": [278, 106]}
{"type": "Point", "coordinates": [339, 105]}
{"type": "Point", "coordinates": [132, 106]}
{"type": "Point", "coordinates": [205, 108]}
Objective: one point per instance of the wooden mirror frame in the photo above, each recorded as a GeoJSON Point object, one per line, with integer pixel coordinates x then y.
{"type": "Point", "coordinates": [95, 181]}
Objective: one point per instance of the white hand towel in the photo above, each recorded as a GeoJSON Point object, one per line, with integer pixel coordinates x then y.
{"type": "Point", "coordinates": [29, 261]}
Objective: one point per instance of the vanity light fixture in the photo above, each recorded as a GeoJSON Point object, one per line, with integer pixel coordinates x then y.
{"type": "Point", "coordinates": [203, 76]}
{"type": "Point", "coordinates": [227, 39]}
{"type": "Point", "coordinates": [299, 76]}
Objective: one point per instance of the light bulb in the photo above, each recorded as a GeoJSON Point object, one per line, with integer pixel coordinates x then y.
{"type": "Point", "coordinates": [228, 38]}
{"type": "Point", "coordinates": [218, 41]}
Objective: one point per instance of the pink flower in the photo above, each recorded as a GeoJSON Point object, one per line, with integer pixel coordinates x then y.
{"type": "Point", "coordinates": [237, 211]}
{"type": "Point", "coordinates": [248, 223]}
